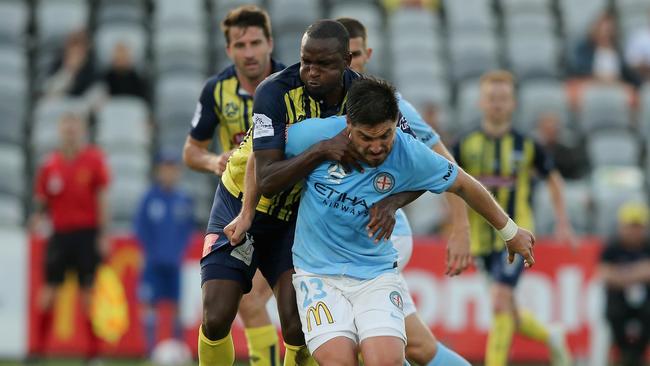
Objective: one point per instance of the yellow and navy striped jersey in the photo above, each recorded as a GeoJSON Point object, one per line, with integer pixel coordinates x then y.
{"type": "Point", "coordinates": [283, 100]}
{"type": "Point", "coordinates": [507, 166]}
{"type": "Point", "coordinates": [225, 105]}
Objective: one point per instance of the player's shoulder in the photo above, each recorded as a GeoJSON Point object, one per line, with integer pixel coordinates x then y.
{"type": "Point", "coordinates": [225, 74]}
{"type": "Point", "coordinates": [281, 81]}
{"type": "Point", "coordinates": [470, 134]}
{"type": "Point", "coordinates": [93, 152]}
{"type": "Point", "coordinates": [277, 66]}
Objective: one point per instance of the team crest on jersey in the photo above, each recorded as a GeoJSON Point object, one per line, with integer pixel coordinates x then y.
{"type": "Point", "coordinates": [384, 182]}
{"type": "Point", "coordinates": [396, 299]}
{"type": "Point", "coordinates": [231, 109]}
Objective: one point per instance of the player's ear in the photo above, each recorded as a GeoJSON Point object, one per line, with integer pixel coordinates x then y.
{"type": "Point", "coordinates": [348, 124]}
{"type": "Point", "coordinates": [368, 53]}
{"type": "Point", "coordinates": [270, 40]}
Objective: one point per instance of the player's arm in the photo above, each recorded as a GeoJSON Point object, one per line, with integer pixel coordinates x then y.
{"type": "Point", "coordinates": [518, 240]}
{"type": "Point", "coordinates": [563, 229]}
{"type": "Point", "coordinates": [197, 156]}
{"type": "Point", "coordinates": [382, 214]}
{"type": "Point", "coordinates": [237, 228]}
{"type": "Point", "coordinates": [103, 222]}
{"type": "Point", "coordinates": [622, 276]}
{"type": "Point", "coordinates": [458, 247]}
{"type": "Point", "coordinates": [196, 150]}
{"type": "Point", "coordinates": [275, 173]}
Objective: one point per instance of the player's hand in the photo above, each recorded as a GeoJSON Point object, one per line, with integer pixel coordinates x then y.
{"type": "Point", "coordinates": [236, 230]}
{"type": "Point", "coordinates": [104, 245]}
{"type": "Point", "coordinates": [339, 149]}
{"type": "Point", "coordinates": [564, 234]}
{"type": "Point", "coordinates": [382, 220]}
{"type": "Point", "coordinates": [522, 244]}
{"type": "Point", "coordinates": [458, 252]}
{"type": "Point", "coordinates": [220, 163]}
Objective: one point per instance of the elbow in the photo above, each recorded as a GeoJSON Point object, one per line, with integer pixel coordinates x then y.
{"type": "Point", "coordinates": [267, 188]}
{"type": "Point", "coordinates": [188, 157]}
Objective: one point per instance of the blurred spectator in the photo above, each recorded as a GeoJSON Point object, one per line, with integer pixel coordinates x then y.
{"type": "Point", "coordinates": [637, 52]}
{"type": "Point", "coordinates": [392, 5]}
{"type": "Point", "coordinates": [72, 186]}
{"type": "Point", "coordinates": [163, 225]}
{"type": "Point", "coordinates": [599, 56]}
{"type": "Point", "coordinates": [625, 269]}
{"type": "Point", "coordinates": [121, 78]}
{"type": "Point", "coordinates": [572, 160]}
{"type": "Point", "coordinates": [431, 115]}
{"type": "Point", "coordinates": [73, 73]}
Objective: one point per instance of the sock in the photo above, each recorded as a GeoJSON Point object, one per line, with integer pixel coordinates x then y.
{"type": "Point", "coordinates": [43, 327]}
{"type": "Point", "coordinates": [216, 353]}
{"type": "Point", "coordinates": [446, 357]}
{"type": "Point", "coordinates": [263, 345]}
{"type": "Point", "coordinates": [150, 329]}
{"type": "Point", "coordinates": [298, 356]}
{"type": "Point", "coordinates": [531, 328]}
{"type": "Point", "coordinates": [93, 341]}
{"type": "Point", "coordinates": [499, 339]}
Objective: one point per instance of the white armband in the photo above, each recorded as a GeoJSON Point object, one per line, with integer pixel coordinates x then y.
{"type": "Point", "coordinates": [509, 231]}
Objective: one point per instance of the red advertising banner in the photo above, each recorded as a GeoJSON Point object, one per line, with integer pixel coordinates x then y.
{"type": "Point", "coordinates": [560, 288]}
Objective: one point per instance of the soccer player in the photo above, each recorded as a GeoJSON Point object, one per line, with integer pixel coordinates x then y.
{"type": "Point", "coordinates": [292, 96]}
{"type": "Point", "coordinates": [163, 224]}
{"type": "Point", "coordinates": [349, 293]}
{"type": "Point", "coordinates": [227, 103]}
{"type": "Point", "coordinates": [72, 186]}
{"type": "Point", "coordinates": [506, 162]}
{"type": "Point", "coordinates": [422, 347]}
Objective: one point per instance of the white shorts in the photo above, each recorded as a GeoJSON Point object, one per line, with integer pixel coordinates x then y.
{"type": "Point", "coordinates": [404, 246]}
{"type": "Point", "coordinates": [339, 306]}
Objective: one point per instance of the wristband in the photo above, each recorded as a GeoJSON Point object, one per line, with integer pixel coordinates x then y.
{"type": "Point", "coordinates": [509, 231]}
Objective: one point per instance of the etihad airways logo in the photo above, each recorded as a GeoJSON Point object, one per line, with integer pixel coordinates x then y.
{"type": "Point", "coordinates": [341, 200]}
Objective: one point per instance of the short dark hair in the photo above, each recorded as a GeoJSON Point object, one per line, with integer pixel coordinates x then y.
{"type": "Point", "coordinates": [246, 16]}
{"type": "Point", "coordinates": [354, 27]}
{"type": "Point", "coordinates": [371, 101]}
{"type": "Point", "coordinates": [328, 28]}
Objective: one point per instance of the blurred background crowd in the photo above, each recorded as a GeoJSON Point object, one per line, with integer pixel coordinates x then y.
{"type": "Point", "coordinates": [134, 70]}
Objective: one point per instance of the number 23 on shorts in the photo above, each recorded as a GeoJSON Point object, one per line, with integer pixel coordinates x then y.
{"type": "Point", "coordinates": [317, 293]}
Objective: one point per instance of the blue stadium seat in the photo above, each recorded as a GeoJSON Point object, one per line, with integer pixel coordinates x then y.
{"type": "Point", "coordinates": [604, 106]}
{"type": "Point", "coordinates": [618, 147]}
{"type": "Point", "coordinates": [122, 124]}
{"type": "Point", "coordinates": [538, 97]}
{"type": "Point", "coordinates": [12, 165]}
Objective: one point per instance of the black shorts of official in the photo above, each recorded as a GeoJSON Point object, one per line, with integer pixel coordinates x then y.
{"type": "Point", "coordinates": [267, 247]}
{"type": "Point", "coordinates": [496, 265]}
{"type": "Point", "coordinates": [73, 250]}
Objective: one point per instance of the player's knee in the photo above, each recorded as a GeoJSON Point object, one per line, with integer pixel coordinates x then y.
{"type": "Point", "coordinates": [292, 332]}
{"type": "Point", "coordinates": [217, 318]}
{"type": "Point", "coordinates": [216, 325]}
{"type": "Point", "coordinates": [502, 300]}
{"type": "Point", "coordinates": [421, 351]}
{"type": "Point", "coordinates": [384, 359]}
{"type": "Point", "coordinates": [253, 304]}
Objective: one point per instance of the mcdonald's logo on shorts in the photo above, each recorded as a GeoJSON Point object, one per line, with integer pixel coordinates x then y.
{"type": "Point", "coordinates": [315, 311]}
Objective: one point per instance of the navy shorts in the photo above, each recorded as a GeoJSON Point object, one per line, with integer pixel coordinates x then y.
{"type": "Point", "coordinates": [160, 282]}
{"type": "Point", "coordinates": [267, 245]}
{"type": "Point", "coordinates": [498, 269]}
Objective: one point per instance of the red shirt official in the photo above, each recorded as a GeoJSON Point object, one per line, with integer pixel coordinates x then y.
{"type": "Point", "coordinates": [70, 188]}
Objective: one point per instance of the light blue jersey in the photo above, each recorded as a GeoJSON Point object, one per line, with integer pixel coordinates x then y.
{"type": "Point", "coordinates": [420, 128]}
{"type": "Point", "coordinates": [331, 236]}
{"type": "Point", "coordinates": [427, 136]}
